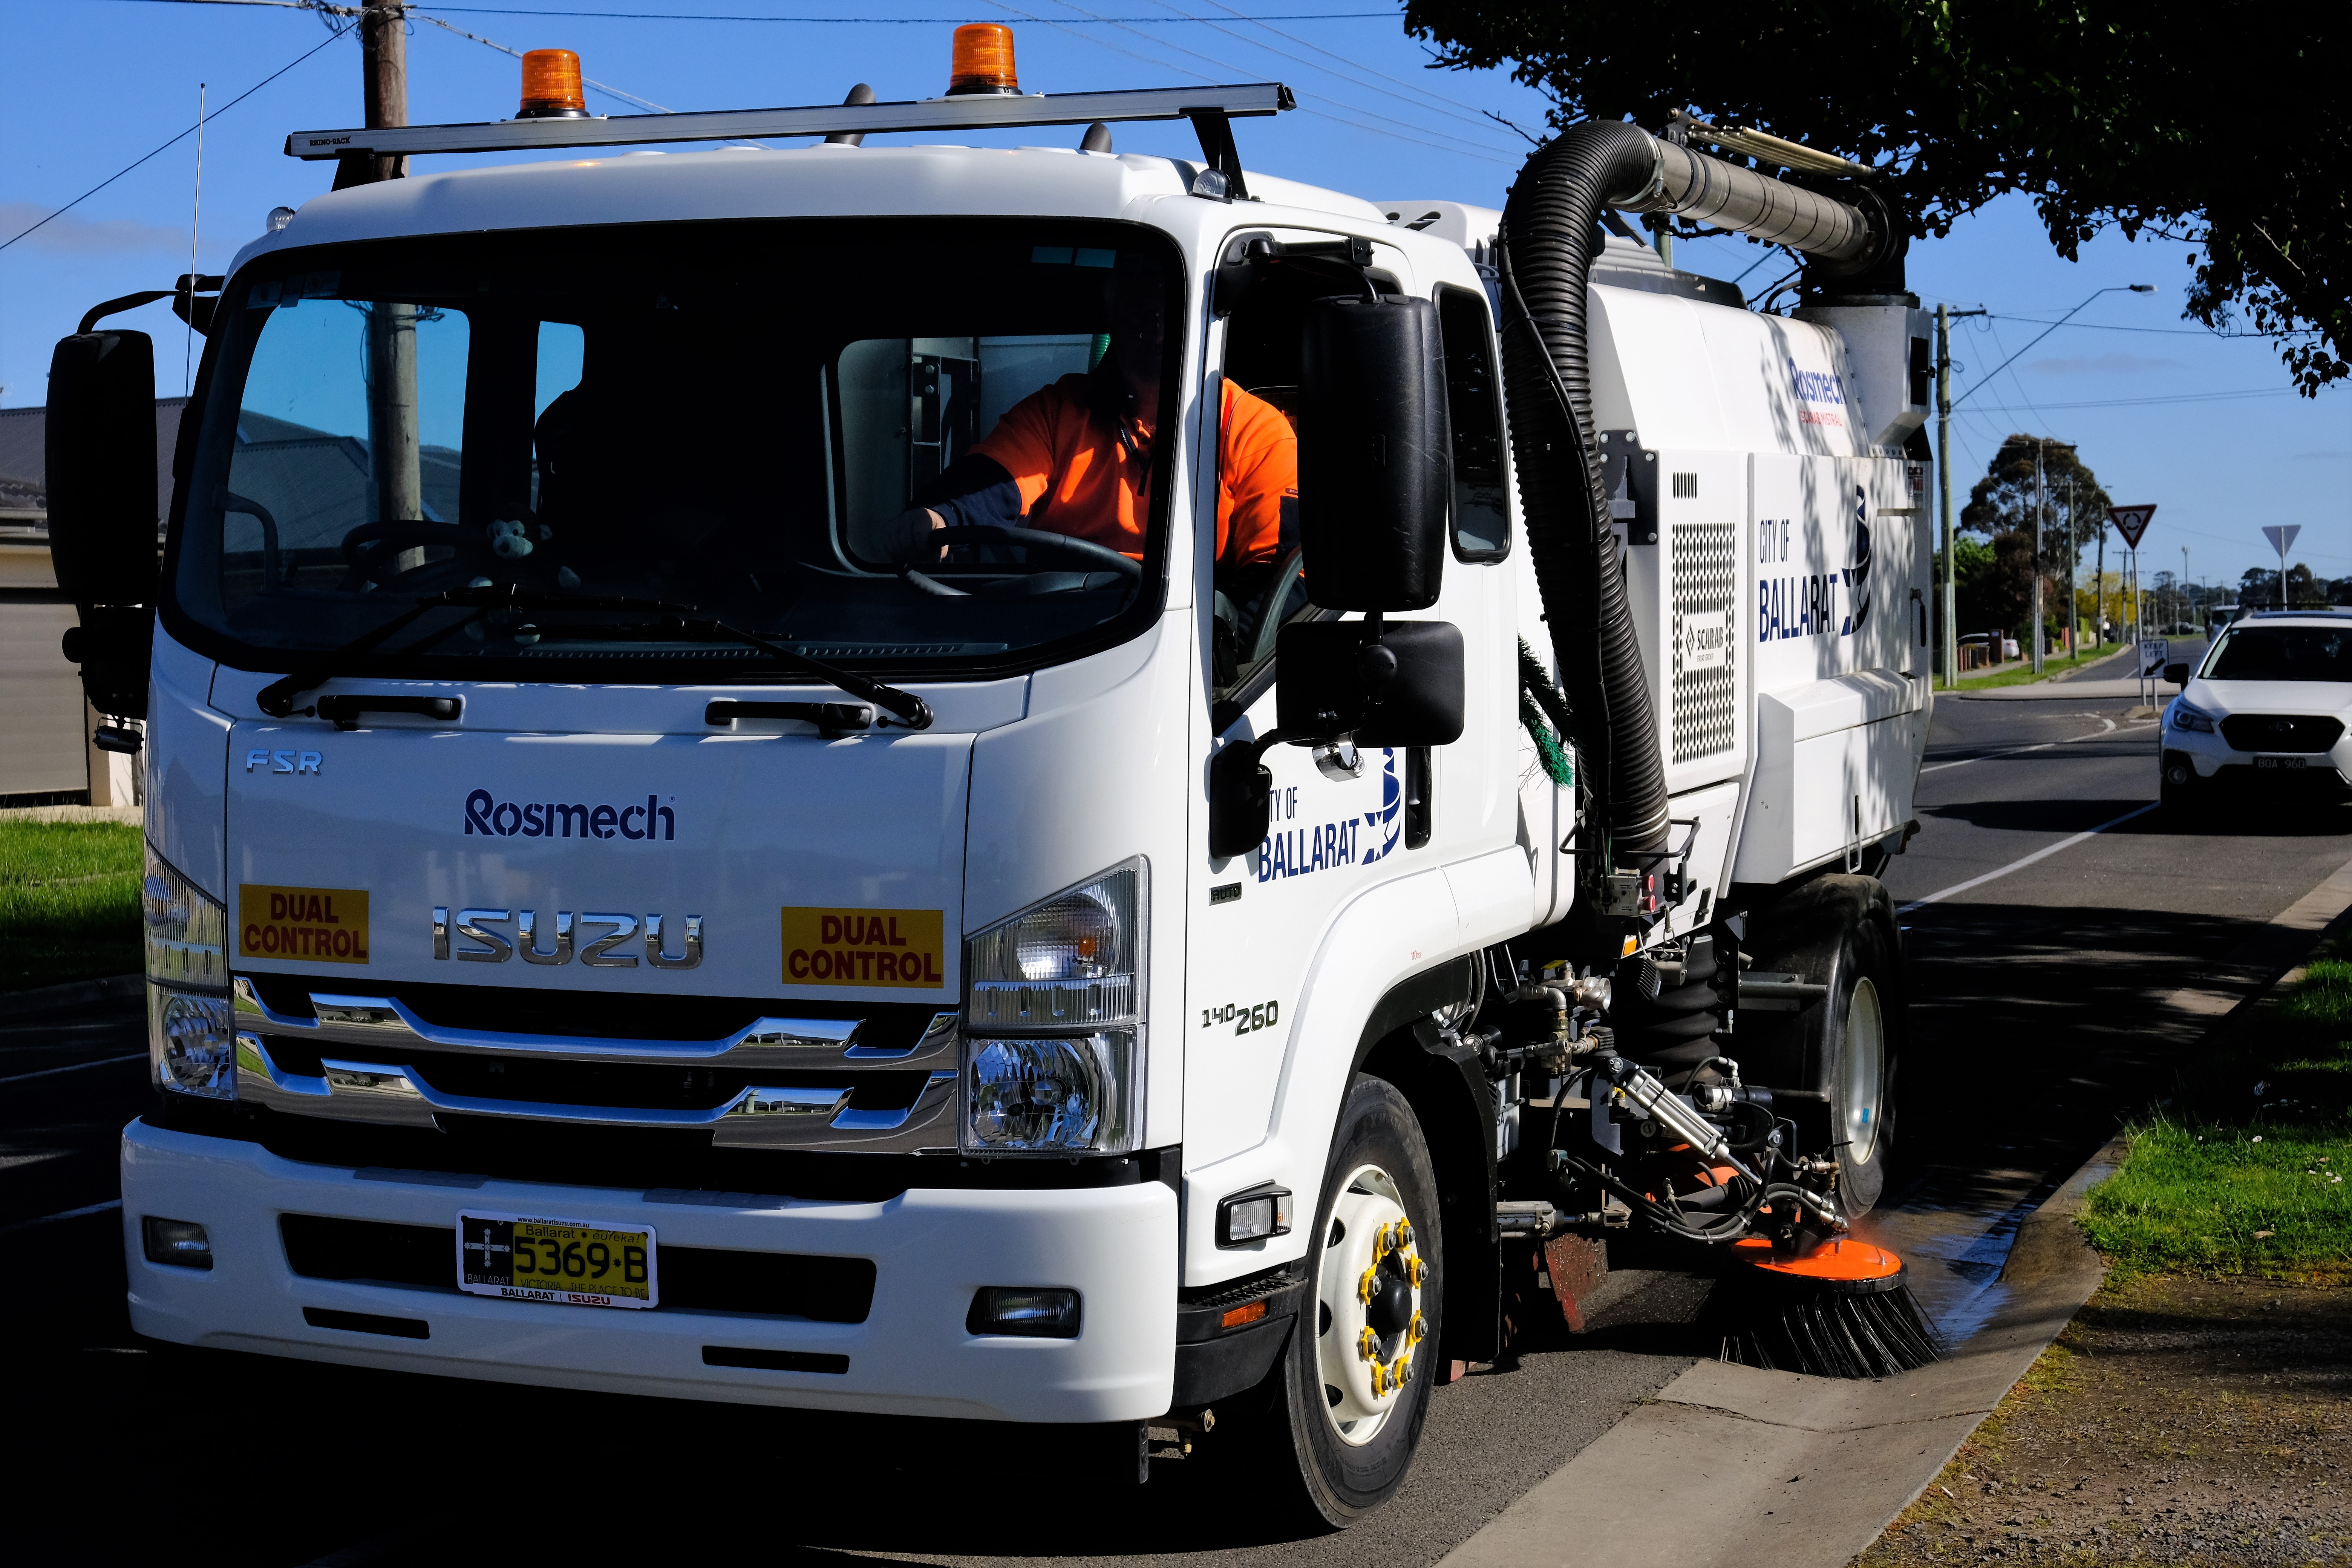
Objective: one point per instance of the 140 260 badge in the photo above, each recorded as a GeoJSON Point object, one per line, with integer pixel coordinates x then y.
{"type": "Point", "coordinates": [1246, 1018]}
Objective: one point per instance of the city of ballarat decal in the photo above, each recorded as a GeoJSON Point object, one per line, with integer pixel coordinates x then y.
{"type": "Point", "coordinates": [1298, 849]}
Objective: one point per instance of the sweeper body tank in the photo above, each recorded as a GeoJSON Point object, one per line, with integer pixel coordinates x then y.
{"type": "Point", "coordinates": [619, 917]}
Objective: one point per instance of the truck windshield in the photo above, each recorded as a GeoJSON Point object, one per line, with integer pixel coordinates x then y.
{"type": "Point", "coordinates": [2284, 653]}
{"type": "Point", "coordinates": [737, 416]}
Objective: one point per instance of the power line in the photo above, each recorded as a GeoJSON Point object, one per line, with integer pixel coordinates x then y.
{"type": "Point", "coordinates": [1479, 148]}
{"type": "Point", "coordinates": [1310, 65]}
{"type": "Point", "coordinates": [183, 136]}
{"type": "Point", "coordinates": [2143, 402]}
{"type": "Point", "coordinates": [788, 21]}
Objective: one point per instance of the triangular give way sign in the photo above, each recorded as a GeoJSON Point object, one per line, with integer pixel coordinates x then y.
{"type": "Point", "coordinates": [2131, 521]}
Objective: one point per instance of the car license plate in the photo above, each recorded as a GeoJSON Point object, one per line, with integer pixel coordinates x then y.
{"type": "Point", "coordinates": [2279, 761]}
{"type": "Point", "coordinates": [573, 1263]}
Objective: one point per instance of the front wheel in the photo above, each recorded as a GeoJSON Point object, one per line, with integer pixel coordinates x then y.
{"type": "Point", "coordinates": [2179, 792]}
{"type": "Point", "coordinates": [1357, 1373]}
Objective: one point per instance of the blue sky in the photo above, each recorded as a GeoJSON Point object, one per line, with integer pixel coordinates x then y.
{"type": "Point", "coordinates": [2165, 412]}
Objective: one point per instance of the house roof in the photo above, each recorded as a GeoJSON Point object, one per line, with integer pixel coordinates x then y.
{"type": "Point", "coordinates": [23, 468]}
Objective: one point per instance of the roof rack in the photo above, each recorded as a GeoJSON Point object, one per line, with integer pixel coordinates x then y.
{"type": "Point", "coordinates": [1209, 107]}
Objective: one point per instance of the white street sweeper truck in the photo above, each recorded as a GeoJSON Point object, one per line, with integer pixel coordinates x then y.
{"type": "Point", "coordinates": [1045, 786]}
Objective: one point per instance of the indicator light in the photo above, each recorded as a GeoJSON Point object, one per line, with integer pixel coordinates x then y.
{"type": "Point", "coordinates": [550, 87]}
{"type": "Point", "coordinates": [1254, 1215]}
{"type": "Point", "coordinates": [983, 61]}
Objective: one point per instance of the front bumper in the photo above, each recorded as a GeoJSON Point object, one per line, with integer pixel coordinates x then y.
{"type": "Point", "coordinates": [932, 1248]}
{"type": "Point", "coordinates": [2210, 753]}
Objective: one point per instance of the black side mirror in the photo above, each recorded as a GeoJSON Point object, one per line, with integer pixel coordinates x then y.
{"type": "Point", "coordinates": [1375, 462]}
{"type": "Point", "coordinates": [2176, 674]}
{"type": "Point", "coordinates": [100, 450]}
{"type": "Point", "coordinates": [1396, 685]}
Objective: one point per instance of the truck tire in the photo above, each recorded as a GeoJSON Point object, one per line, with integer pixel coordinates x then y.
{"type": "Point", "coordinates": [1355, 1376]}
{"type": "Point", "coordinates": [1841, 1051]}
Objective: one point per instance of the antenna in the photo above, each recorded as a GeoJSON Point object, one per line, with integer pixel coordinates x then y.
{"type": "Point", "coordinates": [195, 226]}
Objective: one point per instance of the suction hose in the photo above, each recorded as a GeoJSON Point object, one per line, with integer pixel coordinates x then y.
{"type": "Point", "coordinates": [1550, 230]}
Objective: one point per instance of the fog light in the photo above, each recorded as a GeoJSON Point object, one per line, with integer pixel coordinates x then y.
{"type": "Point", "coordinates": [1254, 1215]}
{"type": "Point", "coordinates": [182, 1242]}
{"type": "Point", "coordinates": [1023, 1312]}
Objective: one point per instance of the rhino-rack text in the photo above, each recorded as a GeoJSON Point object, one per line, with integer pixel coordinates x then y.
{"type": "Point", "coordinates": [533, 819]}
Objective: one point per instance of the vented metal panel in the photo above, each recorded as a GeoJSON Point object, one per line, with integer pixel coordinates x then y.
{"type": "Point", "coordinates": [1704, 647]}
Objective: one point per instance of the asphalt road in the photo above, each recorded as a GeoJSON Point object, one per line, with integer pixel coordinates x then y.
{"type": "Point", "coordinates": [2035, 1026]}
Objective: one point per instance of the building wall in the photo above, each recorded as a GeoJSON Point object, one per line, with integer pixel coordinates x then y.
{"type": "Point", "coordinates": [43, 733]}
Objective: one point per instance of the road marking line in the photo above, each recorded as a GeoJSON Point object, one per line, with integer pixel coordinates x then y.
{"type": "Point", "coordinates": [66, 1213]}
{"type": "Point", "coordinates": [1995, 756]}
{"type": "Point", "coordinates": [2020, 864]}
{"type": "Point", "coordinates": [77, 1067]}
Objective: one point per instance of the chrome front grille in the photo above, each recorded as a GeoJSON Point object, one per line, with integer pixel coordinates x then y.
{"type": "Point", "coordinates": [773, 1083]}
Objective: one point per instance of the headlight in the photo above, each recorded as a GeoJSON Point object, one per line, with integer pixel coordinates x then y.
{"type": "Point", "coordinates": [2183, 717]}
{"type": "Point", "coordinates": [186, 932]}
{"type": "Point", "coordinates": [1054, 1023]}
{"type": "Point", "coordinates": [190, 1037]}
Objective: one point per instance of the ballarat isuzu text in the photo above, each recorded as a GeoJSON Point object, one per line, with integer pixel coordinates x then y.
{"type": "Point", "coordinates": [1044, 786]}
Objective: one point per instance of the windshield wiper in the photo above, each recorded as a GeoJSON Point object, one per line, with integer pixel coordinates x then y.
{"type": "Point", "coordinates": [277, 699]}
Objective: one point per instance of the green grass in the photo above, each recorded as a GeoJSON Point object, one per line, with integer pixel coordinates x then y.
{"type": "Point", "coordinates": [2209, 1198]}
{"type": "Point", "coordinates": [2250, 1172]}
{"type": "Point", "coordinates": [68, 901]}
{"type": "Point", "coordinates": [2023, 674]}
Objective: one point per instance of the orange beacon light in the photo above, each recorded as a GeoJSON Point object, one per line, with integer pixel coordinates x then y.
{"type": "Point", "coordinates": [984, 60]}
{"type": "Point", "coordinates": [550, 87]}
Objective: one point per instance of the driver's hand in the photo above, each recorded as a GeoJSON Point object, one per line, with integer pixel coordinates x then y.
{"type": "Point", "coordinates": [906, 537]}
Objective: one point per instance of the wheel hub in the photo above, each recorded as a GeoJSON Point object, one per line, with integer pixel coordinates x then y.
{"type": "Point", "coordinates": [1370, 1285]}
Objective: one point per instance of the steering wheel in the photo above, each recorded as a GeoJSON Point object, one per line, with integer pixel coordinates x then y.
{"type": "Point", "coordinates": [1099, 557]}
{"type": "Point", "coordinates": [388, 539]}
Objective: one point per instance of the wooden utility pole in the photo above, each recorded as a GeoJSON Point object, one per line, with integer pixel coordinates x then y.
{"type": "Point", "coordinates": [390, 324]}
{"type": "Point", "coordinates": [383, 76]}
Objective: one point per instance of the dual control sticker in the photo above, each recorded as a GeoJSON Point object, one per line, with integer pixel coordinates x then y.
{"type": "Point", "coordinates": [312, 924]}
{"type": "Point", "coordinates": [904, 948]}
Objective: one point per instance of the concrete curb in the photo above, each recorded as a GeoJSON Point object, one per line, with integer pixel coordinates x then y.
{"type": "Point", "coordinates": [1730, 1465]}
{"type": "Point", "coordinates": [74, 994]}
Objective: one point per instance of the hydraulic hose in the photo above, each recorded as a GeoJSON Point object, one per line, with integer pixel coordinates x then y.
{"type": "Point", "coordinates": [1549, 234]}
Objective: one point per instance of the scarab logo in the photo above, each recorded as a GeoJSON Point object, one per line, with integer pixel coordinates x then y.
{"type": "Point", "coordinates": [1857, 572]}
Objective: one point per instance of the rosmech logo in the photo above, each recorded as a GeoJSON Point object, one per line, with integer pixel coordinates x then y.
{"type": "Point", "coordinates": [1815, 386]}
{"type": "Point", "coordinates": [488, 815]}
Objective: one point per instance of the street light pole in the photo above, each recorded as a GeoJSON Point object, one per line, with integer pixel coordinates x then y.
{"type": "Point", "coordinates": [2040, 506]}
{"type": "Point", "coordinates": [2113, 289]}
{"type": "Point", "coordinates": [1944, 316]}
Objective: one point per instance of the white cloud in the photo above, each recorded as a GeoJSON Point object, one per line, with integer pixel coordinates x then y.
{"type": "Point", "coordinates": [74, 235]}
{"type": "Point", "coordinates": [2105, 364]}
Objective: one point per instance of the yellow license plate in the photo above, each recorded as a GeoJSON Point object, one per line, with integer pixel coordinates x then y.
{"type": "Point", "coordinates": [570, 1263]}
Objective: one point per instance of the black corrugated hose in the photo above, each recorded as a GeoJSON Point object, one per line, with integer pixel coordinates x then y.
{"type": "Point", "coordinates": [1549, 234]}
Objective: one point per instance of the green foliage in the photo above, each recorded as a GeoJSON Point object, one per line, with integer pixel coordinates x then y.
{"type": "Point", "coordinates": [68, 901]}
{"type": "Point", "coordinates": [2005, 498]}
{"type": "Point", "coordinates": [2220, 124]}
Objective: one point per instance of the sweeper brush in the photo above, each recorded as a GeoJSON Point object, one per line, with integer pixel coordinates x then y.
{"type": "Point", "coordinates": [1839, 1310]}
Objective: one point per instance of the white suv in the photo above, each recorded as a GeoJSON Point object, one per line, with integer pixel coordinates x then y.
{"type": "Point", "coordinates": [2273, 694]}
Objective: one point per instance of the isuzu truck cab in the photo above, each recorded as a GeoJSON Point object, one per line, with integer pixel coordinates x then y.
{"type": "Point", "coordinates": [612, 924]}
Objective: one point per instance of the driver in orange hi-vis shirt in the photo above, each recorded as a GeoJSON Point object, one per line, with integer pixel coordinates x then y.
{"type": "Point", "coordinates": [1075, 457]}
